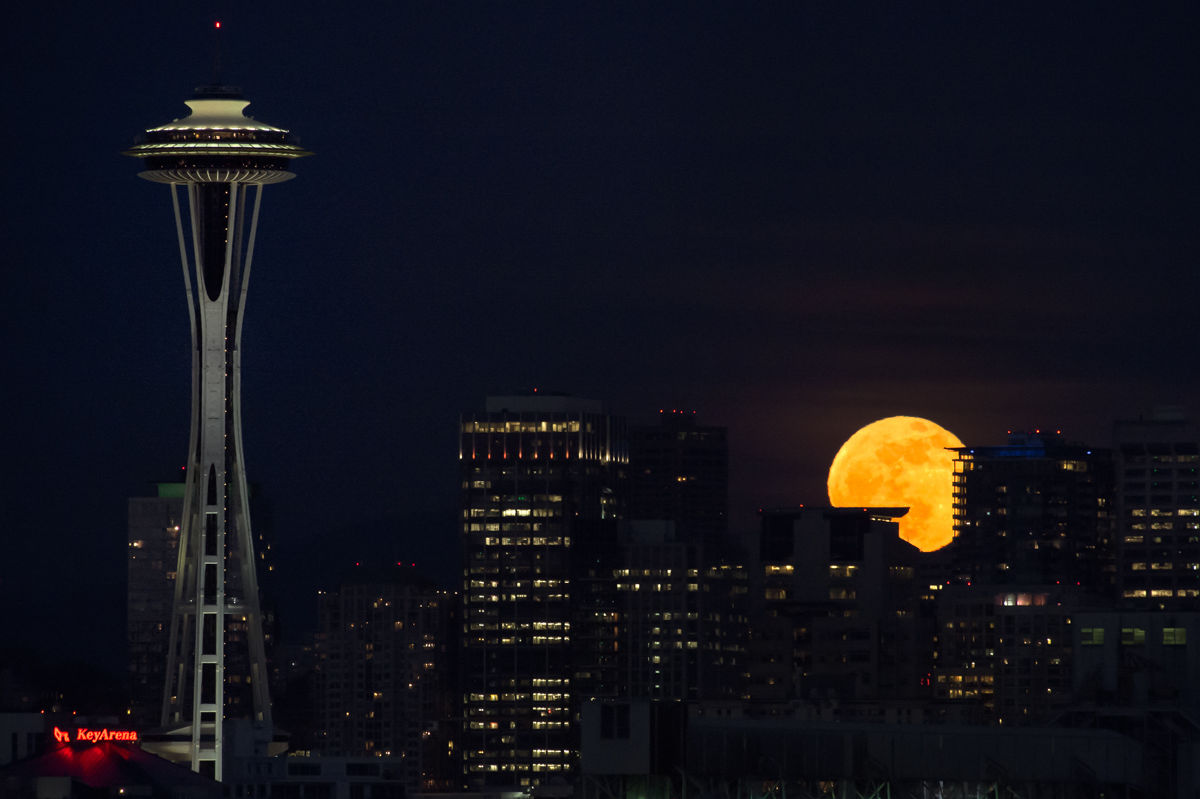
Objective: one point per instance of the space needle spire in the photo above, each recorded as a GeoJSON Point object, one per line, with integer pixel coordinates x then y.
{"type": "Point", "coordinates": [216, 161]}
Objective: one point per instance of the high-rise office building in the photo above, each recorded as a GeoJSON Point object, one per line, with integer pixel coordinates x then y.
{"type": "Point", "coordinates": [153, 557]}
{"type": "Point", "coordinates": [216, 154]}
{"type": "Point", "coordinates": [1035, 510]}
{"type": "Point", "coordinates": [542, 495]}
{"type": "Point", "coordinates": [384, 673]}
{"type": "Point", "coordinates": [1158, 511]}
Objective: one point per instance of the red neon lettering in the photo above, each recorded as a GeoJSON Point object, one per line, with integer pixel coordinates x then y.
{"type": "Point", "coordinates": [95, 736]}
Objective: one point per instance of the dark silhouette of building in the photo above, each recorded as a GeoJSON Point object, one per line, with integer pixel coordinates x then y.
{"type": "Point", "coordinates": [680, 472]}
{"type": "Point", "coordinates": [837, 609]}
{"type": "Point", "coordinates": [542, 498]}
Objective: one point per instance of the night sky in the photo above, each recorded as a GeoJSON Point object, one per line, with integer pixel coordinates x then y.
{"type": "Point", "coordinates": [793, 219]}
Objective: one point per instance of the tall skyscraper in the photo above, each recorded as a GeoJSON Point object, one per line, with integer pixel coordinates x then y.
{"type": "Point", "coordinates": [1036, 510]}
{"type": "Point", "coordinates": [216, 154]}
{"type": "Point", "coordinates": [541, 498]}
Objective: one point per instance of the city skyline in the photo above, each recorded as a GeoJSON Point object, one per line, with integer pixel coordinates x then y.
{"type": "Point", "coordinates": [795, 222]}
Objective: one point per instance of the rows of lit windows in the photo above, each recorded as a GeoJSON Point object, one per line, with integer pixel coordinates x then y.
{"type": "Point", "coordinates": [675, 645]}
{"type": "Point", "coordinates": [476, 601]}
{"type": "Point", "coordinates": [1162, 593]}
{"type": "Point", "coordinates": [516, 596]}
{"type": "Point", "coordinates": [1165, 512]}
{"type": "Point", "coordinates": [651, 572]}
{"type": "Point", "coordinates": [515, 767]}
{"type": "Point", "coordinates": [492, 512]}
{"type": "Point", "coordinates": [519, 696]}
{"type": "Point", "coordinates": [549, 725]}
{"type": "Point", "coordinates": [594, 450]}
{"type": "Point", "coordinates": [538, 583]}
{"type": "Point", "coordinates": [536, 625]}
{"type": "Point", "coordinates": [525, 427]}
{"type": "Point", "coordinates": [526, 541]}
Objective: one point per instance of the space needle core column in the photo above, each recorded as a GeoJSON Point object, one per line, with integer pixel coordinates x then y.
{"type": "Point", "coordinates": [216, 155]}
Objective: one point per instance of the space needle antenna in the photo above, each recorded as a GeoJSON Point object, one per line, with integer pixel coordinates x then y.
{"type": "Point", "coordinates": [216, 81]}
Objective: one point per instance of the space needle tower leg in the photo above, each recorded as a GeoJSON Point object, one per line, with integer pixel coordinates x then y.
{"type": "Point", "coordinates": [216, 664]}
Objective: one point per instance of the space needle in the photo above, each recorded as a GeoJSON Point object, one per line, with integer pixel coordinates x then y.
{"type": "Point", "coordinates": [216, 161]}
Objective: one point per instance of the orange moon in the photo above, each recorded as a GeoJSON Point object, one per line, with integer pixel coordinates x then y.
{"type": "Point", "coordinates": [900, 461]}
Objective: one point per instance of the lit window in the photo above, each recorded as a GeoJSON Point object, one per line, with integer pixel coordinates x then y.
{"type": "Point", "coordinates": [1133, 636]}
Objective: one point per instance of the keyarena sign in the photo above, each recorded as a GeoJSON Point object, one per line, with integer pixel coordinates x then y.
{"type": "Point", "coordinates": [88, 735]}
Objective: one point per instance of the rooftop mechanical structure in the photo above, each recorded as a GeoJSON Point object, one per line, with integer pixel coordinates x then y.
{"type": "Point", "coordinates": [216, 664]}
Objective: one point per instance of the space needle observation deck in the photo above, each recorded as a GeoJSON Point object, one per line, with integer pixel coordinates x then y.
{"type": "Point", "coordinates": [216, 143]}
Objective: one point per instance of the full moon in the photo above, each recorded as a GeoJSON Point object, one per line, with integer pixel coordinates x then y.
{"type": "Point", "coordinates": [900, 461]}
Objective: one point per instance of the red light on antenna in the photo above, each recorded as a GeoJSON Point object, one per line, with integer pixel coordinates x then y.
{"type": "Point", "coordinates": [217, 24]}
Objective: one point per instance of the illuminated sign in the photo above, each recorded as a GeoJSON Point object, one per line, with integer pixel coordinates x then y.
{"type": "Point", "coordinates": [86, 735]}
